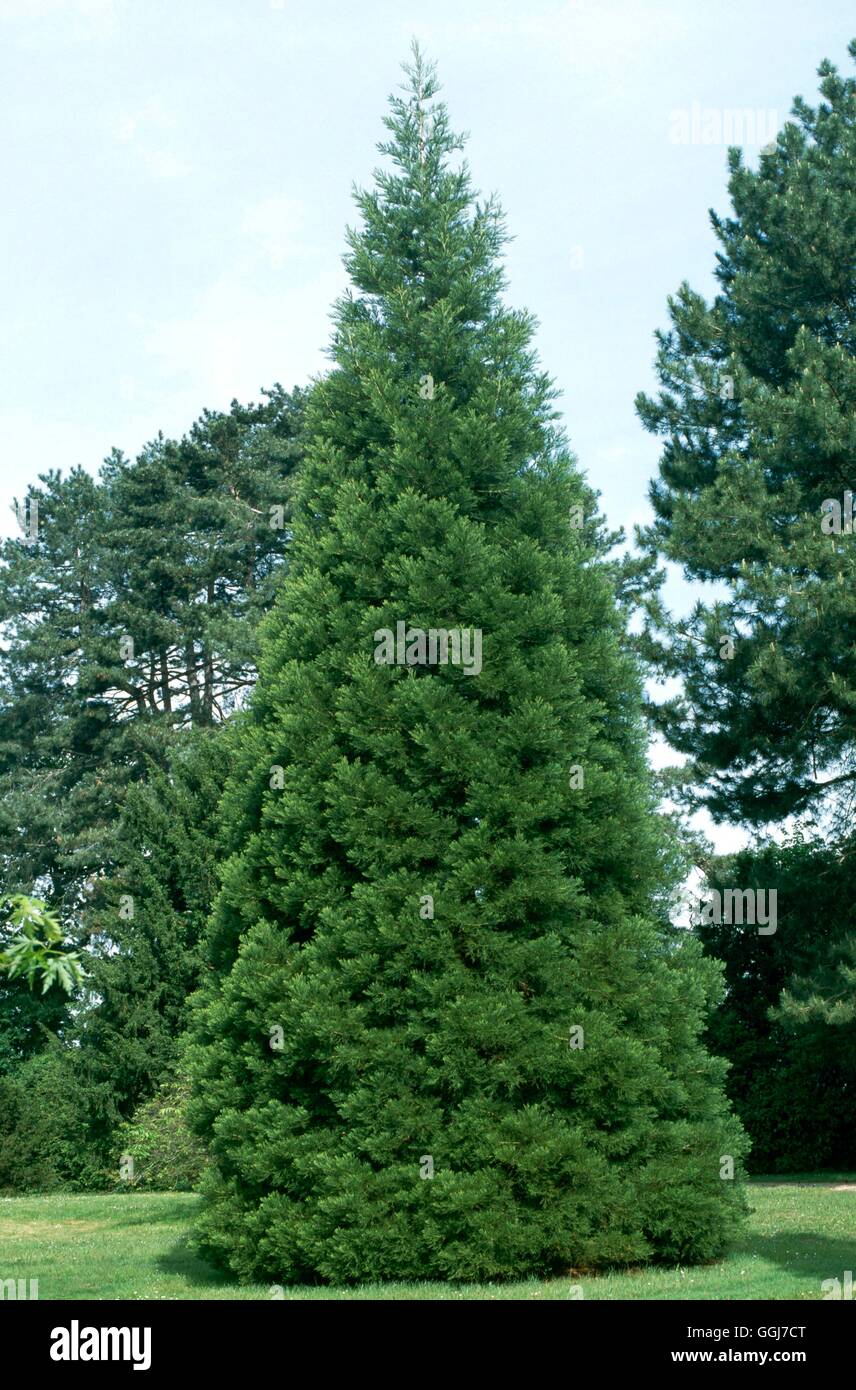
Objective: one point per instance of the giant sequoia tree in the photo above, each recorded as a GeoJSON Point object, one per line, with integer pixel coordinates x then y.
{"type": "Point", "coordinates": [444, 1037]}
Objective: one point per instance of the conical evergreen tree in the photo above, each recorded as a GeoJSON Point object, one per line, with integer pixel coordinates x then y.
{"type": "Point", "coordinates": [445, 1037]}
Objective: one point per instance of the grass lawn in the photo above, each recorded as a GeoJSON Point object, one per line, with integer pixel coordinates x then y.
{"type": "Point", "coordinates": [135, 1245]}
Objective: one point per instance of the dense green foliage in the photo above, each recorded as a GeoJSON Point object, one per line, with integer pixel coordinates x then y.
{"type": "Point", "coordinates": [152, 911]}
{"type": "Point", "coordinates": [65, 1106]}
{"type": "Point", "coordinates": [792, 1075]}
{"type": "Point", "coordinates": [388, 1093]}
{"type": "Point", "coordinates": [44, 1104]}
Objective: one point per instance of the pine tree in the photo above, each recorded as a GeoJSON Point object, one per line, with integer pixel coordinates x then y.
{"type": "Point", "coordinates": [757, 484]}
{"type": "Point", "coordinates": [445, 1037]}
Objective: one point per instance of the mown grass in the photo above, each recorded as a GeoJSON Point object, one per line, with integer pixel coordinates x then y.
{"type": "Point", "coordinates": [135, 1246]}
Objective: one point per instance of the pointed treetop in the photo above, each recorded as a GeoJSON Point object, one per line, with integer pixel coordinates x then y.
{"type": "Point", "coordinates": [425, 237]}
{"type": "Point", "coordinates": [422, 81]}
{"type": "Point", "coordinates": [420, 128]}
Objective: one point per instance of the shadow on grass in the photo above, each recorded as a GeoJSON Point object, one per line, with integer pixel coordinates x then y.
{"type": "Point", "coordinates": [804, 1253]}
{"type": "Point", "coordinates": [173, 1209]}
{"type": "Point", "coordinates": [183, 1260]}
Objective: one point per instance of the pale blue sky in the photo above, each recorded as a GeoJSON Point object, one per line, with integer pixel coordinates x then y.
{"type": "Point", "coordinates": [177, 179]}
